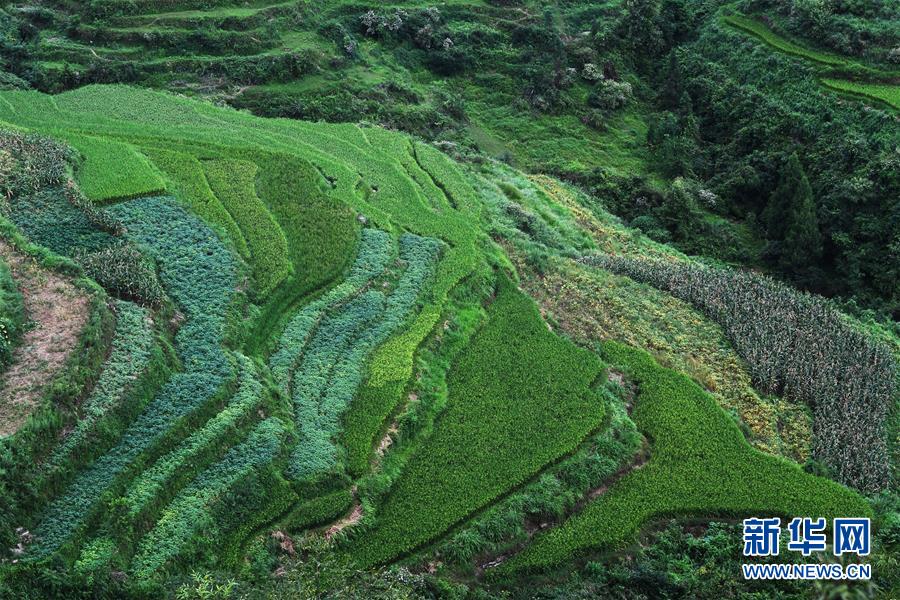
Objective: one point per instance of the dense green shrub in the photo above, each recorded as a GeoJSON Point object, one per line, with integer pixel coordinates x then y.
{"type": "Point", "coordinates": [700, 465]}
{"type": "Point", "coordinates": [125, 273]}
{"type": "Point", "coordinates": [799, 346]}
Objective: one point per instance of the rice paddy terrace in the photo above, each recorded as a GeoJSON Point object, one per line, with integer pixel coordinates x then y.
{"type": "Point", "coordinates": [275, 327]}
{"type": "Point", "coordinates": [839, 73]}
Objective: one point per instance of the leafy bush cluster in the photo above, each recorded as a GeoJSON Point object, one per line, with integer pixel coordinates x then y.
{"type": "Point", "coordinates": [496, 432]}
{"type": "Point", "coordinates": [124, 272]}
{"type": "Point", "coordinates": [331, 367]}
{"type": "Point", "coordinates": [700, 464]}
{"type": "Point", "coordinates": [199, 275]}
{"type": "Point", "coordinates": [799, 346]}
{"type": "Point", "coordinates": [234, 184]}
{"type": "Point", "coordinates": [188, 517]}
{"type": "Point", "coordinates": [29, 162]}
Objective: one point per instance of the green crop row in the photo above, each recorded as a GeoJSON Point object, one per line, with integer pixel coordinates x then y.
{"type": "Point", "coordinates": [321, 232]}
{"type": "Point", "coordinates": [234, 184]}
{"type": "Point", "coordinates": [496, 432]}
{"type": "Point", "coordinates": [372, 259]}
{"type": "Point", "coordinates": [795, 344]}
{"type": "Point", "coordinates": [375, 184]}
{"type": "Point", "coordinates": [331, 369]}
{"type": "Point", "coordinates": [390, 368]}
{"type": "Point", "coordinates": [700, 465]}
{"type": "Point", "coordinates": [199, 275]}
{"type": "Point", "coordinates": [189, 513]}
{"type": "Point", "coordinates": [131, 354]}
{"type": "Point", "coordinates": [319, 372]}
{"type": "Point", "coordinates": [321, 235]}
{"type": "Point", "coordinates": [449, 179]}
{"type": "Point", "coordinates": [161, 479]}
{"type": "Point", "coordinates": [760, 30]}
{"type": "Point", "coordinates": [318, 510]}
{"type": "Point", "coordinates": [190, 186]}
{"type": "Point", "coordinates": [884, 92]}
{"type": "Point", "coordinates": [113, 170]}
{"type": "Point", "coordinates": [554, 494]}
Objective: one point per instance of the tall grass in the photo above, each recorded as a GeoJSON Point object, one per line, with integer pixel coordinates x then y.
{"type": "Point", "coordinates": [798, 346]}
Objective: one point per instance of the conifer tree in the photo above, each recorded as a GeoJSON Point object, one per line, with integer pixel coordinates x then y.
{"type": "Point", "coordinates": [791, 217]}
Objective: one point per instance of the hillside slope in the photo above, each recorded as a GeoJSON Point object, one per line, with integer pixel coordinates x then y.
{"type": "Point", "coordinates": [333, 319]}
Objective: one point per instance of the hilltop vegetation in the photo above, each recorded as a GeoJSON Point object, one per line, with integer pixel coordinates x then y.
{"type": "Point", "coordinates": [325, 300]}
{"type": "Point", "coordinates": [680, 117]}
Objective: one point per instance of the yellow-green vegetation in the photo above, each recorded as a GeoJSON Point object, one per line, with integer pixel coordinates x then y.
{"type": "Point", "coordinates": [496, 431]}
{"type": "Point", "coordinates": [113, 170]}
{"type": "Point", "coordinates": [234, 184]}
{"type": "Point", "coordinates": [884, 92]}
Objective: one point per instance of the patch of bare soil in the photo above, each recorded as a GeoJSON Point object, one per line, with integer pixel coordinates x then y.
{"type": "Point", "coordinates": [58, 312]}
{"type": "Point", "coordinates": [351, 519]}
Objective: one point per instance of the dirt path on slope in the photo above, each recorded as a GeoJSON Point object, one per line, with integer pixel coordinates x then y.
{"type": "Point", "coordinates": [351, 519]}
{"type": "Point", "coordinates": [57, 312]}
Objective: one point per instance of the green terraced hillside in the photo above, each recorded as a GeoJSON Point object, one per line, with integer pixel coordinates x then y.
{"type": "Point", "coordinates": [292, 343]}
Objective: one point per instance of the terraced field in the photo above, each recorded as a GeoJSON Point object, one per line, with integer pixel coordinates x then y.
{"type": "Point", "coordinates": [863, 81]}
{"type": "Point", "coordinates": [276, 327]}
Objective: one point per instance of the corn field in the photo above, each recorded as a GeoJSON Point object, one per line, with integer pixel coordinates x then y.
{"type": "Point", "coordinates": [796, 345]}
